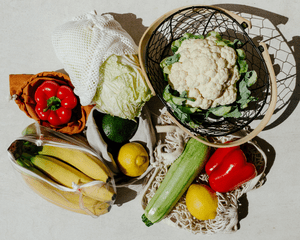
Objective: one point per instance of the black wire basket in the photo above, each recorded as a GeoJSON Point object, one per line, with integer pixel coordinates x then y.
{"type": "Point", "coordinates": [155, 45]}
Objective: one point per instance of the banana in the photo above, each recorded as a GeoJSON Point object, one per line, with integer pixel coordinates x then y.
{"type": "Point", "coordinates": [67, 175]}
{"type": "Point", "coordinates": [59, 171]}
{"type": "Point", "coordinates": [84, 162]}
{"type": "Point", "coordinates": [99, 193]}
{"type": "Point", "coordinates": [66, 200]}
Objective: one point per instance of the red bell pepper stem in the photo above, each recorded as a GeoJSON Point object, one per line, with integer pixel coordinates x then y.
{"type": "Point", "coordinates": [54, 104]}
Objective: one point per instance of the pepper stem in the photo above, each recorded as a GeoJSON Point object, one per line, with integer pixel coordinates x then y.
{"type": "Point", "coordinates": [53, 104]}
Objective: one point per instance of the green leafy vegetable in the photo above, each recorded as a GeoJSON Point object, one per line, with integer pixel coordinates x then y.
{"type": "Point", "coordinates": [241, 53]}
{"type": "Point", "coordinates": [244, 91]}
{"type": "Point", "coordinates": [122, 91]}
{"type": "Point", "coordinates": [177, 43]}
{"type": "Point", "coordinates": [233, 114]}
{"type": "Point", "coordinates": [181, 115]}
{"type": "Point", "coordinates": [178, 101]}
{"type": "Point", "coordinates": [166, 64]}
{"type": "Point", "coordinates": [224, 42]}
{"type": "Point", "coordinates": [172, 95]}
{"type": "Point", "coordinates": [169, 97]}
{"type": "Point", "coordinates": [243, 66]}
{"type": "Point", "coordinates": [245, 94]}
{"type": "Point", "coordinates": [172, 59]}
{"type": "Point", "coordinates": [214, 34]}
{"type": "Point", "coordinates": [178, 104]}
{"type": "Point", "coordinates": [237, 44]}
{"type": "Point", "coordinates": [220, 110]}
{"type": "Point", "coordinates": [250, 78]}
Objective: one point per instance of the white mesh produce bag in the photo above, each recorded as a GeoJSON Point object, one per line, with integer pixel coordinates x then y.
{"type": "Point", "coordinates": [170, 144]}
{"type": "Point", "coordinates": [84, 43]}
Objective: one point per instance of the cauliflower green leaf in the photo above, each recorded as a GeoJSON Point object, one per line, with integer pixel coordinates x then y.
{"type": "Point", "coordinates": [220, 110]}
{"type": "Point", "coordinates": [177, 43]}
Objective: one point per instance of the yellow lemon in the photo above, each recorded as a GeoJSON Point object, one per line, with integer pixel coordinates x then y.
{"type": "Point", "coordinates": [202, 201]}
{"type": "Point", "coordinates": [133, 159]}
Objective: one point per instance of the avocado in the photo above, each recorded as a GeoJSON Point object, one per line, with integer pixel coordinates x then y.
{"type": "Point", "coordinates": [116, 129]}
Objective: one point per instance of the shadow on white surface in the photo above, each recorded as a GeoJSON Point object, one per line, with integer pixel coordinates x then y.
{"type": "Point", "coordinates": [284, 54]}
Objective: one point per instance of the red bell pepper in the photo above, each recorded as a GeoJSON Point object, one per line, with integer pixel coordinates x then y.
{"type": "Point", "coordinates": [228, 169]}
{"type": "Point", "coordinates": [54, 103]}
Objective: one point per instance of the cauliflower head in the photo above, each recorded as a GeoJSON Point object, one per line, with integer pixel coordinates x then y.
{"type": "Point", "coordinates": [207, 72]}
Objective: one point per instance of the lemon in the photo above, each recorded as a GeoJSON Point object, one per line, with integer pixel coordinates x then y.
{"type": "Point", "coordinates": [201, 201]}
{"type": "Point", "coordinates": [133, 159]}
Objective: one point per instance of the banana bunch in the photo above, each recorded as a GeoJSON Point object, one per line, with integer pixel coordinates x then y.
{"type": "Point", "coordinates": [69, 167]}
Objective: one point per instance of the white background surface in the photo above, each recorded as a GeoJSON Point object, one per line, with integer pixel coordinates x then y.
{"type": "Point", "coordinates": [272, 211]}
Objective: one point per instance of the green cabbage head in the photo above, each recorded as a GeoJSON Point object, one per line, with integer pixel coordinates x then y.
{"type": "Point", "coordinates": [122, 90]}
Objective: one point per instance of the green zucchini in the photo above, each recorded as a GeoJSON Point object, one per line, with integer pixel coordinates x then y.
{"type": "Point", "coordinates": [178, 178]}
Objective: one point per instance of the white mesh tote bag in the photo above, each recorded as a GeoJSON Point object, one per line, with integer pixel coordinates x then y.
{"type": "Point", "coordinates": [84, 43]}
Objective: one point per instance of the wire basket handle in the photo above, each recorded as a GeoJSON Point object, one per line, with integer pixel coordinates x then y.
{"type": "Point", "coordinates": [242, 21]}
{"type": "Point", "coordinates": [263, 122]}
